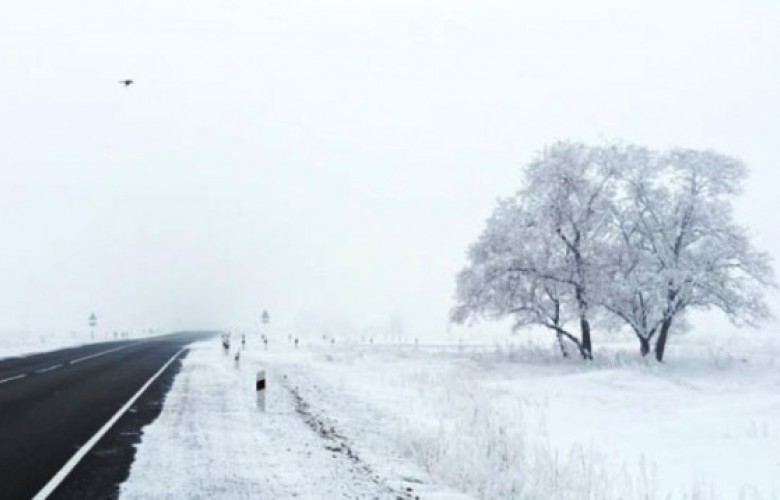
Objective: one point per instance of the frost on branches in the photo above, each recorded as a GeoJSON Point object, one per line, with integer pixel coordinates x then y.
{"type": "Point", "coordinates": [619, 235]}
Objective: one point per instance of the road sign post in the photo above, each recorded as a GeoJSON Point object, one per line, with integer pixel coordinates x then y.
{"type": "Point", "coordinates": [260, 389]}
{"type": "Point", "coordinates": [92, 325]}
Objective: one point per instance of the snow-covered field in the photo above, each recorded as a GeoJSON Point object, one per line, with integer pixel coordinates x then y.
{"type": "Point", "coordinates": [401, 421]}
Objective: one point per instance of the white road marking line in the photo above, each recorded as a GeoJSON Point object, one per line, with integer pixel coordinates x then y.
{"type": "Point", "coordinates": [15, 377]}
{"type": "Point", "coordinates": [66, 469]}
{"type": "Point", "coordinates": [79, 360]}
{"type": "Point", "coordinates": [48, 369]}
{"type": "Point", "coordinates": [73, 362]}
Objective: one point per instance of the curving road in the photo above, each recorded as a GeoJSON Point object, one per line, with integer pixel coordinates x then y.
{"type": "Point", "coordinates": [52, 404]}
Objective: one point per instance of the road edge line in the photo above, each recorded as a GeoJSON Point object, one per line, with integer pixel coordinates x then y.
{"type": "Point", "coordinates": [66, 469]}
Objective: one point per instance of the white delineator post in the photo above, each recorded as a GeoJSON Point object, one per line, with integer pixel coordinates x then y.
{"type": "Point", "coordinates": [260, 388]}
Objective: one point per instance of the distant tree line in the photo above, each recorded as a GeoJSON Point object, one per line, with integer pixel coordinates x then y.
{"type": "Point", "coordinates": [616, 236]}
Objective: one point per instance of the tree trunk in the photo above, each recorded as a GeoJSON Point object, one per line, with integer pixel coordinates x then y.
{"type": "Point", "coordinates": [660, 343]}
{"type": "Point", "coordinates": [561, 333]}
{"type": "Point", "coordinates": [563, 346]}
{"type": "Point", "coordinates": [582, 305]}
{"type": "Point", "coordinates": [587, 353]}
{"type": "Point", "coordinates": [644, 345]}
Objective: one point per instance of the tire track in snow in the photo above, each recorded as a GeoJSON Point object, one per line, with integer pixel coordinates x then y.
{"type": "Point", "coordinates": [337, 443]}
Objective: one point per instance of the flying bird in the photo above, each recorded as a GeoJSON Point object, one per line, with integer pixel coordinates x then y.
{"type": "Point", "coordinates": [126, 83]}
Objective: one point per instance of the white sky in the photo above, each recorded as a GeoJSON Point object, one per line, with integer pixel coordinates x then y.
{"type": "Point", "coordinates": [332, 158]}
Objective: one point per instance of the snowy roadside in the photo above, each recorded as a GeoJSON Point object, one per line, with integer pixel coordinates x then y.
{"type": "Point", "coordinates": [373, 422]}
{"type": "Point", "coordinates": [212, 442]}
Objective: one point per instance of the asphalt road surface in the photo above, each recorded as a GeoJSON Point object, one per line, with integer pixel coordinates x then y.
{"type": "Point", "coordinates": [51, 404]}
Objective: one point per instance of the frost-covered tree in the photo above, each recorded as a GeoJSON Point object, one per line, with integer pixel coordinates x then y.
{"type": "Point", "coordinates": [513, 273]}
{"type": "Point", "coordinates": [535, 261]}
{"type": "Point", "coordinates": [569, 187]}
{"type": "Point", "coordinates": [643, 236]}
{"type": "Point", "coordinates": [630, 290]}
{"type": "Point", "coordinates": [678, 247]}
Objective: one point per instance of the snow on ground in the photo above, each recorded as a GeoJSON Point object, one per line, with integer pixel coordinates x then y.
{"type": "Point", "coordinates": [211, 441]}
{"type": "Point", "coordinates": [394, 421]}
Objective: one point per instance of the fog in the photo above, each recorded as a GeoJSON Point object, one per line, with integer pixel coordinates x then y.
{"type": "Point", "coordinates": [332, 161]}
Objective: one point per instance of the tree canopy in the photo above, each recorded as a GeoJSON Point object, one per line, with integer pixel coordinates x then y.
{"type": "Point", "coordinates": [620, 234]}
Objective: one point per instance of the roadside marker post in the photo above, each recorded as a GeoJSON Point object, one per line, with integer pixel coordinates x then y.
{"type": "Point", "coordinates": [260, 389]}
{"type": "Point", "coordinates": [92, 324]}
